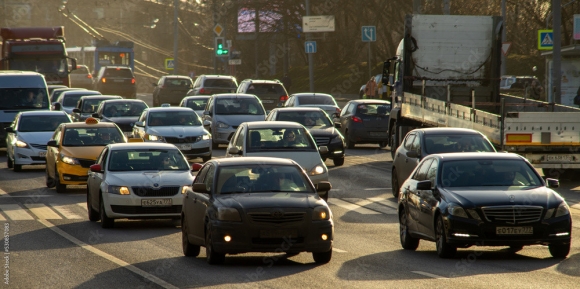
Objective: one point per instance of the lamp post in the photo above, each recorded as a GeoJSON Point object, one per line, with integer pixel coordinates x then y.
{"type": "Point", "coordinates": [175, 38]}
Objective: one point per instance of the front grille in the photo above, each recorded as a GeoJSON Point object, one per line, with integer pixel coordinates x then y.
{"type": "Point", "coordinates": [277, 241]}
{"type": "Point", "coordinates": [134, 210]}
{"type": "Point", "coordinates": [321, 140]}
{"type": "Point", "coordinates": [73, 178]}
{"type": "Point", "coordinates": [196, 151]}
{"type": "Point", "coordinates": [38, 146]}
{"type": "Point", "coordinates": [513, 214]}
{"type": "Point", "coordinates": [189, 139]}
{"type": "Point", "coordinates": [38, 158]}
{"type": "Point", "coordinates": [287, 217]}
{"type": "Point", "coordinates": [86, 163]}
{"type": "Point", "coordinates": [154, 192]}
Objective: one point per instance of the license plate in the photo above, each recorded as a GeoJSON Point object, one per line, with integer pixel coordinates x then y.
{"type": "Point", "coordinates": [267, 101]}
{"type": "Point", "coordinates": [42, 154]}
{"type": "Point", "coordinates": [280, 233]}
{"type": "Point", "coordinates": [119, 80]}
{"type": "Point", "coordinates": [156, 202]}
{"type": "Point", "coordinates": [514, 230]}
{"type": "Point", "coordinates": [183, 147]}
{"type": "Point", "coordinates": [558, 158]}
{"type": "Point", "coordinates": [377, 133]}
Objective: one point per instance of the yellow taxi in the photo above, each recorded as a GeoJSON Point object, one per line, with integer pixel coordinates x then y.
{"type": "Point", "coordinates": [74, 147]}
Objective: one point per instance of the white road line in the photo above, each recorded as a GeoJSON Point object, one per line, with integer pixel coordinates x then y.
{"type": "Point", "coordinates": [66, 211]}
{"type": "Point", "coordinates": [367, 203]}
{"type": "Point", "coordinates": [33, 196]}
{"type": "Point", "coordinates": [42, 211]}
{"type": "Point", "coordinates": [429, 275]}
{"type": "Point", "coordinates": [83, 205]}
{"type": "Point", "coordinates": [576, 206]}
{"type": "Point", "coordinates": [352, 207]}
{"type": "Point", "coordinates": [106, 256]}
{"type": "Point", "coordinates": [377, 189]}
{"type": "Point", "coordinates": [15, 212]}
{"type": "Point", "coordinates": [3, 193]}
{"type": "Point", "coordinates": [385, 202]}
{"type": "Point", "coordinates": [338, 250]}
{"type": "Point", "coordinates": [2, 218]}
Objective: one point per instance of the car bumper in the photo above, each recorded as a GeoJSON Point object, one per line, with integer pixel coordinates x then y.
{"type": "Point", "coordinates": [29, 156]}
{"type": "Point", "coordinates": [129, 206]}
{"type": "Point", "coordinates": [550, 231]}
{"type": "Point", "coordinates": [360, 133]}
{"type": "Point", "coordinates": [72, 174]}
{"type": "Point", "coordinates": [223, 135]}
{"type": "Point", "coordinates": [335, 150]}
{"type": "Point", "coordinates": [247, 237]}
{"type": "Point", "coordinates": [198, 149]}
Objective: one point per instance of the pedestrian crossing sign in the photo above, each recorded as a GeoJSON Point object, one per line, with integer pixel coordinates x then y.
{"type": "Point", "coordinates": [545, 39]}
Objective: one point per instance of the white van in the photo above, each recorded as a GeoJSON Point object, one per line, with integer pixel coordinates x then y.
{"type": "Point", "coordinates": [20, 91]}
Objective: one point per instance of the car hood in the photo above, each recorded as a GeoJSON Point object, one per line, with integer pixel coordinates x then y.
{"type": "Point", "coordinates": [322, 131]}
{"type": "Point", "coordinates": [83, 152]}
{"type": "Point", "coordinates": [177, 131]}
{"type": "Point", "coordinates": [36, 137]}
{"type": "Point", "coordinates": [237, 119]}
{"type": "Point", "coordinates": [249, 201]}
{"type": "Point", "coordinates": [307, 160]}
{"type": "Point", "coordinates": [121, 120]}
{"type": "Point", "coordinates": [499, 196]}
{"type": "Point", "coordinates": [150, 178]}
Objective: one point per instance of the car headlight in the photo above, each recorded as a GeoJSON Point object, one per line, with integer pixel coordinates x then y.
{"type": "Point", "coordinates": [222, 125]}
{"type": "Point", "coordinates": [228, 214]}
{"type": "Point", "coordinates": [320, 213]}
{"type": "Point", "coordinates": [69, 160]}
{"type": "Point", "coordinates": [561, 210]}
{"type": "Point", "coordinates": [203, 137]}
{"type": "Point", "coordinates": [185, 188]}
{"type": "Point", "coordinates": [21, 144]}
{"type": "Point", "coordinates": [473, 213]}
{"type": "Point", "coordinates": [154, 137]}
{"type": "Point", "coordinates": [317, 170]}
{"type": "Point", "coordinates": [456, 210]}
{"type": "Point", "coordinates": [118, 190]}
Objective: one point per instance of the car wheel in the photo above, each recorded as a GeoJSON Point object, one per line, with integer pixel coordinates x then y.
{"type": "Point", "coordinates": [383, 144]}
{"type": "Point", "coordinates": [189, 249]}
{"type": "Point", "coordinates": [93, 215]}
{"type": "Point", "coordinates": [106, 222]}
{"type": "Point", "coordinates": [338, 161]}
{"type": "Point", "coordinates": [395, 184]}
{"type": "Point", "coordinates": [444, 249]}
{"type": "Point", "coordinates": [17, 168]}
{"type": "Point", "coordinates": [407, 241]}
{"type": "Point", "coordinates": [206, 159]}
{"type": "Point", "coordinates": [559, 250]}
{"type": "Point", "coordinates": [214, 145]}
{"type": "Point", "coordinates": [349, 144]}
{"type": "Point", "coordinates": [9, 162]}
{"type": "Point", "coordinates": [212, 257]}
{"type": "Point", "coordinates": [394, 143]}
{"type": "Point", "coordinates": [49, 181]}
{"type": "Point", "coordinates": [60, 188]}
{"type": "Point", "coordinates": [322, 257]}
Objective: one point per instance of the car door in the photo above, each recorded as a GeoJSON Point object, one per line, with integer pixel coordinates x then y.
{"type": "Point", "coordinates": [345, 116]}
{"type": "Point", "coordinates": [412, 196]}
{"type": "Point", "coordinates": [412, 162]}
{"type": "Point", "coordinates": [207, 118]}
{"type": "Point", "coordinates": [201, 203]}
{"type": "Point", "coordinates": [239, 141]}
{"type": "Point", "coordinates": [190, 218]}
{"type": "Point", "coordinates": [400, 159]}
{"type": "Point", "coordinates": [139, 131]}
{"type": "Point", "coordinates": [52, 152]}
{"type": "Point", "coordinates": [428, 202]}
{"type": "Point", "coordinates": [96, 178]}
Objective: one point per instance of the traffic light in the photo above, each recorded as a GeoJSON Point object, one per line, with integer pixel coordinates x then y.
{"type": "Point", "coordinates": [220, 47]}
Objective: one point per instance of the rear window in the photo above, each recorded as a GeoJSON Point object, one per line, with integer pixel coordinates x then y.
{"type": "Point", "coordinates": [266, 88]}
{"type": "Point", "coordinates": [197, 104]}
{"type": "Point", "coordinates": [227, 83]}
{"type": "Point", "coordinates": [316, 99]}
{"type": "Point", "coordinates": [126, 73]}
{"type": "Point", "coordinates": [435, 144]}
{"type": "Point", "coordinates": [178, 82]}
{"type": "Point", "coordinates": [374, 109]}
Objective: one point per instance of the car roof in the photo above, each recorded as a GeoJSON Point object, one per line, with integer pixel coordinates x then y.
{"type": "Point", "coordinates": [253, 161]}
{"type": "Point", "coordinates": [18, 72]}
{"type": "Point", "coordinates": [477, 156]}
{"type": "Point", "coordinates": [79, 124]}
{"type": "Point", "coordinates": [196, 96]}
{"type": "Point", "coordinates": [217, 76]}
{"type": "Point", "coordinates": [231, 95]}
{"type": "Point", "coordinates": [142, 145]}
{"type": "Point", "coordinates": [263, 81]}
{"type": "Point", "coordinates": [177, 77]}
{"type": "Point", "coordinates": [273, 124]}
{"type": "Point", "coordinates": [370, 101]}
{"type": "Point", "coordinates": [447, 130]}
{"type": "Point", "coordinates": [43, 113]}
{"type": "Point", "coordinates": [123, 100]}
{"type": "Point", "coordinates": [68, 88]}
{"type": "Point", "coordinates": [169, 108]}
{"type": "Point", "coordinates": [312, 94]}
{"type": "Point", "coordinates": [102, 97]}
{"type": "Point", "coordinates": [115, 66]}
{"type": "Point", "coordinates": [81, 91]}
{"type": "Point", "coordinates": [299, 108]}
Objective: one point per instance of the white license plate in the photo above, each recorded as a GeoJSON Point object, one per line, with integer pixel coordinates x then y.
{"type": "Point", "coordinates": [514, 230]}
{"type": "Point", "coordinates": [183, 147]}
{"type": "Point", "coordinates": [558, 158]}
{"type": "Point", "coordinates": [377, 133]}
{"type": "Point", "coordinates": [280, 233]}
{"type": "Point", "coordinates": [156, 202]}
{"type": "Point", "coordinates": [267, 101]}
{"type": "Point", "coordinates": [42, 154]}
{"type": "Point", "coordinates": [119, 80]}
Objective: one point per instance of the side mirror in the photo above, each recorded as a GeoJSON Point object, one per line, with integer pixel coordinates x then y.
{"type": "Point", "coordinates": [552, 183]}
{"type": "Point", "coordinates": [206, 123]}
{"type": "Point", "coordinates": [195, 167]}
{"type": "Point", "coordinates": [424, 185]}
{"type": "Point", "coordinates": [323, 187]}
{"type": "Point", "coordinates": [9, 129]}
{"type": "Point", "coordinates": [234, 151]}
{"type": "Point", "coordinates": [95, 115]}
{"type": "Point", "coordinates": [76, 110]}
{"type": "Point", "coordinates": [337, 125]}
{"type": "Point", "coordinates": [56, 106]}
{"type": "Point", "coordinates": [323, 149]}
{"type": "Point", "coordinates": [96, 168]}
{"type": "Point", "coordinates": [51, 143]}
{"type": "Point", "coordinates": [412, 154]}
{"type": "Point", "coordinates": [200, 188]}
{"type": "Point", "coordinates": [139, 123]}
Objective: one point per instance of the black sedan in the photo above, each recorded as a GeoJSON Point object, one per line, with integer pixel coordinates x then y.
{"type": "Point", "coordinates": [255, 204]}
{"type": "Point", "coordinates": [324, 132]}
{"type": "Point", "coordinates": [365, 121]}
{"type": "Point", "coordinates": [460, 200]}
{"type": "Point", "coordinates": [123, 112]}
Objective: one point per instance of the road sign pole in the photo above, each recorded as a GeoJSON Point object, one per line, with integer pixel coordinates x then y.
{"type": "Point", "coordinates": [369, 63]}
{"type": "Point", "coordinates": [556, 53]}
{"type": "Point", "coordinates": [175, 36]}
{"type": "Point", "coordinates": [503, 38]}
{"type": "Point", "coordinates": [310, 57]}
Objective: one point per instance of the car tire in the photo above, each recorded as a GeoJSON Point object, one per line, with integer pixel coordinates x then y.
{"type": "Point", "coordinates": [383, 144]}
{"type": "Point", "coordinates": [206, 159]}
{"type": "Point", "coordinates": [407, 241]}
{"type": "Point", "coordinates": [17, 168]}
{"type": "Point", "coordinates": [394, 142]}
{"type": "Point", "coordinates": [60, 188]}
{"type": "Point", "coordinates": [395, 187]}
{"type": "Point", "coordinates": [189, 249]}
{"type": "Point", "coordinates": [559, 250]}
{"type": "Point", "coordinates": [212, 257]}
{"type": "Point", "coordinates": [444, 249]}
{"type": "Point", "coordinates": [322, 257]}
{"type": "Point", "coordinates": [349, 144]}
{"type": "Point", "coordinates": [338, 161]}
{"type": "Point", "coordinates": [93, 215]}
{"type": "Point", "coordinates": [50, 183]}
{"type": "Point", "coordinates": [214, 145]}
{"type": "Point", "coordinates": [106, 222]}
{"type": "Point", "coordinates": [515, 248]}
{"type": "Point", "coordinates": [9, 162]}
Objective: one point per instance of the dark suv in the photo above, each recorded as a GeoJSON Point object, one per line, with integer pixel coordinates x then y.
{"type": "Point", "coordinates": [116, 80]}
{"type": "Point", "coordinates": [213, 84]}
{"type": "Point", "coordinates": [171, 89]}
{"type": "Point", "coordinates": [271, 92]}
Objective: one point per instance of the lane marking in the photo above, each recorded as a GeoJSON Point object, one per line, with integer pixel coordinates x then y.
{"type": "Point", "coordinates": [2, 218]}
{"type": "Point", "coordinates": [66, 211]}
{"type": "Point", "coordinates": [33, 196]}
{"type": "Point", "coordinates": [107, 256]}
{"type": "Point", "coordinates": [377, 189]}
{"type": "Point", "coordinates": [3, 193]}
{"type": "Point", "coordinates": [338, 250]}
{"type": "Point", "coordinates": [429, 275]}
{"type": "Point", "coordinates": [83, 205]}
{"type": "Point", "coordinates": [352, 207]}
{"type": "Point", "coordinates": [43, 212]}
{"type": "Point", "coordinates": [576, 206]}
{"type": "Point", "coordinates": [385, 202]}
{"type": "Point", "coordinates": [15, 212]}
{"type": "Point", "coordinates": [367, 203]}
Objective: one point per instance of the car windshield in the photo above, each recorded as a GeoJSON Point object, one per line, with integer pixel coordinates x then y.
{"type": "Point", "coordinates": [70, 100]}
{"type": "Point", "coordinates": [316, 99]}
{"type": "Point", "coordinates": [196, 103]}
{"type": "Point", "coordinates": [172, 118]}
{"type": "Point", "coordinates": [435, 144]}
{"type": "Point", "coordinates": [242, 106]}
{"type": "Point", "coordinates": [99, 136]}
{"type": "Point", "coordinates": [308, 119]}
{"type": "Point", "coordinates": [18, 98]}
{"type": "Point", "coordinates": [123, 109]}
{"type": "Point", "coordinates": [279, 139]}
{"type": "Point", "coordinates": [41, 122]}
{"type": "Point", "coordinates": [261, 178]}
{"type": "Point", "coordinates": [147, 160]}
{"type": "Point", "coordinates": [481, 173]}
{"type": "Point", "coordinates": [374, 109]}
{"type": "Point", "coordinates": [91, 105]}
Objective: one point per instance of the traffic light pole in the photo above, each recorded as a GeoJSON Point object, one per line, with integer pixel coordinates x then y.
{"type": "Point", "coordinates": [310, 56]}
{"type": "Point", "coordinates": [175, 36]}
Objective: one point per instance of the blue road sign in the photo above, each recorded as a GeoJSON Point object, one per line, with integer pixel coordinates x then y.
{"type": "Point", "coordinates": [545, 39]}
{"type": "Point", "coordinates": [169, 64]}
{"type": "Point", "coordinates": [310, 46]}
{"type": "Point", "coordinates": [369, 33]}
